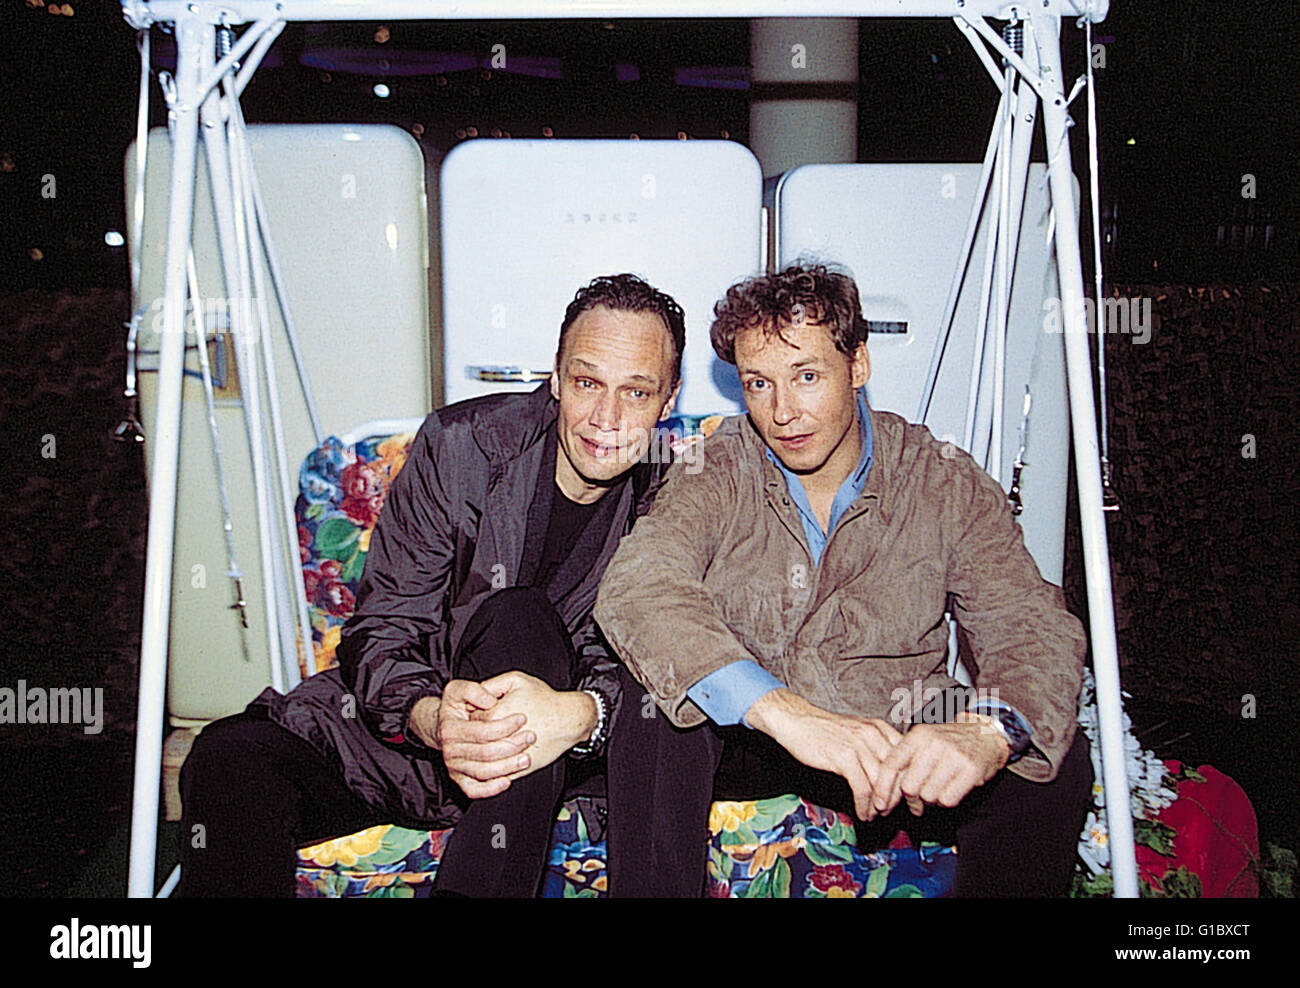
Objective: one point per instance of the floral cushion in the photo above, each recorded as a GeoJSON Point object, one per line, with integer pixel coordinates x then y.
{"type": "Point", "coordinates": [770, 847]}
{"type": "Point", "coordinates": [782, 847]}
{"type": "Point", "coordinates": [342, 488]}
{"type": "Point", "coordinates": [787, 847]}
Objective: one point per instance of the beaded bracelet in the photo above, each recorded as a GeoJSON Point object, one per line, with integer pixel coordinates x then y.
{"type": "Point", "coordinates": [593, 743]}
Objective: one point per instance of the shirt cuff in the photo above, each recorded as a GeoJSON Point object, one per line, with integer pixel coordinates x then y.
{"type": "Point", "coordinates": [727, 694]}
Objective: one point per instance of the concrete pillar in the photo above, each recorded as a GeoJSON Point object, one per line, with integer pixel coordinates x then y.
{"type": "Point", "coordinates": [804, 97]}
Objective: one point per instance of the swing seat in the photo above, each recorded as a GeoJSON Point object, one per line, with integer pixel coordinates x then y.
{"type": "Point", "coordinates": [779, 847]}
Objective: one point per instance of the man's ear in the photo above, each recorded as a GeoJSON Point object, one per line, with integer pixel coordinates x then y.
{"type": "Point", "coordinates": [861, 368]}
{"type": "Point", "coordinates": [555, 378]}
{"type": "Point", "coordinates": [672, 399]}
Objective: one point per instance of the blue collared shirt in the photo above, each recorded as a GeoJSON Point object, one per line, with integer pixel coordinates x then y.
{"type": "Point", "coordinates": [845, 496]}
{"type": "Point", "coordinates": [725, 695]}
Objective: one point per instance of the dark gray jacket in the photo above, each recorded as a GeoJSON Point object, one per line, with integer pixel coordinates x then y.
{"type": "Point", "coordinates": [451, 533]}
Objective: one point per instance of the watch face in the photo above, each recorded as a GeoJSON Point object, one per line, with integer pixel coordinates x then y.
{"type": "Point", "coordinates": [1013, 728]}
{"type": "Point", "coordinates": [1017, 737]}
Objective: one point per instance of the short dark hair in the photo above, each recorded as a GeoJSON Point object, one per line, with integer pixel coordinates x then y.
{"type": "Point", "coordinates": [628, 293]}
{"type": "Point", "coordinates": [803, 292]}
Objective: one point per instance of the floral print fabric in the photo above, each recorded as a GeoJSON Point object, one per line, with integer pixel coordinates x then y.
{"type": "Point", "coordinates": [341, 492]}
{"type": "Point", "coordinates": [783, 847]}
{"type": "Point", "coordinates": [787, 847]}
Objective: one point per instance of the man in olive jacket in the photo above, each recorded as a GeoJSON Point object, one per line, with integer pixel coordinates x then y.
{"type": "Point", "coordinates": [473, 688]}
{"type": "Point", "coordinates": [796, 583]}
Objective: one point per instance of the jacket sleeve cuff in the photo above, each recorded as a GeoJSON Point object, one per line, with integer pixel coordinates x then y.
{"type": "Point", "coordinates": [405, 736]}
{"type": "Point", "coordinates": [726, 694]}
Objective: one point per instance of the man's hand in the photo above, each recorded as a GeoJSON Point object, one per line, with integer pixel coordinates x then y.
{"type": "Point", "coordinates": [940, 764]}
{"type": "Point", "coordinates": [849, 746]}
{"type": "Point", "coordinates": [559, 719]}
{"type": "Point", "coordinates": [480, 754]}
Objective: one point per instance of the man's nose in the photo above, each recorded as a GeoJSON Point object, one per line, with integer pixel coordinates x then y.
{"type": "Point", "coordinates": [604, 412]}
{"type": "Point", "coordinates": [785, 409]}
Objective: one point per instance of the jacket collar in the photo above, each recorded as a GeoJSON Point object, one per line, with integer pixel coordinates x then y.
{"type": "Point", "coordinates": [512, 425]}
{"type": "Point", "coordinates": [880, 478]}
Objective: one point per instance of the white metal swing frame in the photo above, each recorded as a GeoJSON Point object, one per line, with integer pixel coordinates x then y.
{"type": "Point", "coordinates": [199, 77]}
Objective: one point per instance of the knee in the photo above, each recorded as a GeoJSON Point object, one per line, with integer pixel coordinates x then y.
{"type": "Point", "coordinates": [210, 757]}
{"type": "Point", "coordinates": [229, 759]}
{"type": "Point", "coordinates": [516, 628]}
{"type": "Point", "coordinates": [521, 605]}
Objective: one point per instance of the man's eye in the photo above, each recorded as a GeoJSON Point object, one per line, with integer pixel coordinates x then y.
{"type": "Point", "coordinates": [809, 377]}
{"type": "Point", "coordinates": [585, 383]}
{"type": "Point", "coordinates": [755, 384]}
{"type": "Point", "coordinates": [640, 395]}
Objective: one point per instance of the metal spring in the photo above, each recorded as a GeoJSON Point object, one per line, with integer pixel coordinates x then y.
{"type": "Point", "coordinates": [1013, 33]}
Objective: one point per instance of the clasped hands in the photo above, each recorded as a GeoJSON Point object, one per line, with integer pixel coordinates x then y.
{"type": "Point", "coordinates": [937, 764]}
{"type": "Point", "coordinates": [501, 729]}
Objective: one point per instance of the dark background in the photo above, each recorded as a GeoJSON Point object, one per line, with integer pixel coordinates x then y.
{"type": "Point", "coordinates": [1203, 95]}
{"type": "Point", "coordinates": [1203, 548]}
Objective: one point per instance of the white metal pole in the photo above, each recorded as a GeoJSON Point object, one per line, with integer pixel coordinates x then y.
{"type": "Point", "coordinates": [193, 39]}
{"type": "Point", "coordinates": [254, 59]}
{"type": "Point", "coordinates": [254, 417]}
{"type": "Point", "coordinates": [224, 209]}
{"type": "Point", "coordinates": [141, 165]}
{"type": "Point", "coordinates": [1096, 555]}
{"type": "Point", "coordinates": [282, 296]}
{"type": "Point", "coordinates": [1023, 118]}
{"type": "Point", "coordinates": [169, 886]}
{"type": "Point", "coordinates": [971, 440]}
{"type": "Point", "coordinates": [993, 459]}
{"type": "Point", "coordinates": [1026, 109]}
{"type": "Point", "coordinates": [285, 527]}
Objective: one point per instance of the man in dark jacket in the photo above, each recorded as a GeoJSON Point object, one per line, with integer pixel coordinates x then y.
{"type": "Point", "coordinates": [473, 689]}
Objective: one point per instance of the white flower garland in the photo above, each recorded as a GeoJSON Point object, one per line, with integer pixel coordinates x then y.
{"type": "Point", "coordinates": [1149, 791]}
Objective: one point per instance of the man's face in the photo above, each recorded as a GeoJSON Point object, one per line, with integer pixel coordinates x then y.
{"type": "Point", "coordinates": [614, 381]}
{"type": "Point", "coordinates": [801, 397]}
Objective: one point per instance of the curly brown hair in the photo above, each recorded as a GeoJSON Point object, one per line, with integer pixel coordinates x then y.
{"type": "Point", "coordinates": [804, 292]}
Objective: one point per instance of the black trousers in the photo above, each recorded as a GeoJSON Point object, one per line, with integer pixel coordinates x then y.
{"type": "Point", "coordinates": [1016, 838]}
{"type": "Point", "coordinates": [501, 844]}
{"type": "Point", "coordinates": [253, 793]}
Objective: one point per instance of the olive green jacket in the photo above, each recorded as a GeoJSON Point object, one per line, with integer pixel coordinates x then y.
{"type": "Point", "coordinates": [719, 570]}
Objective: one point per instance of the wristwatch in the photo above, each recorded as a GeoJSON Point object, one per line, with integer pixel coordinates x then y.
{"type": "Point", "coordinates": [1010, 725]}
